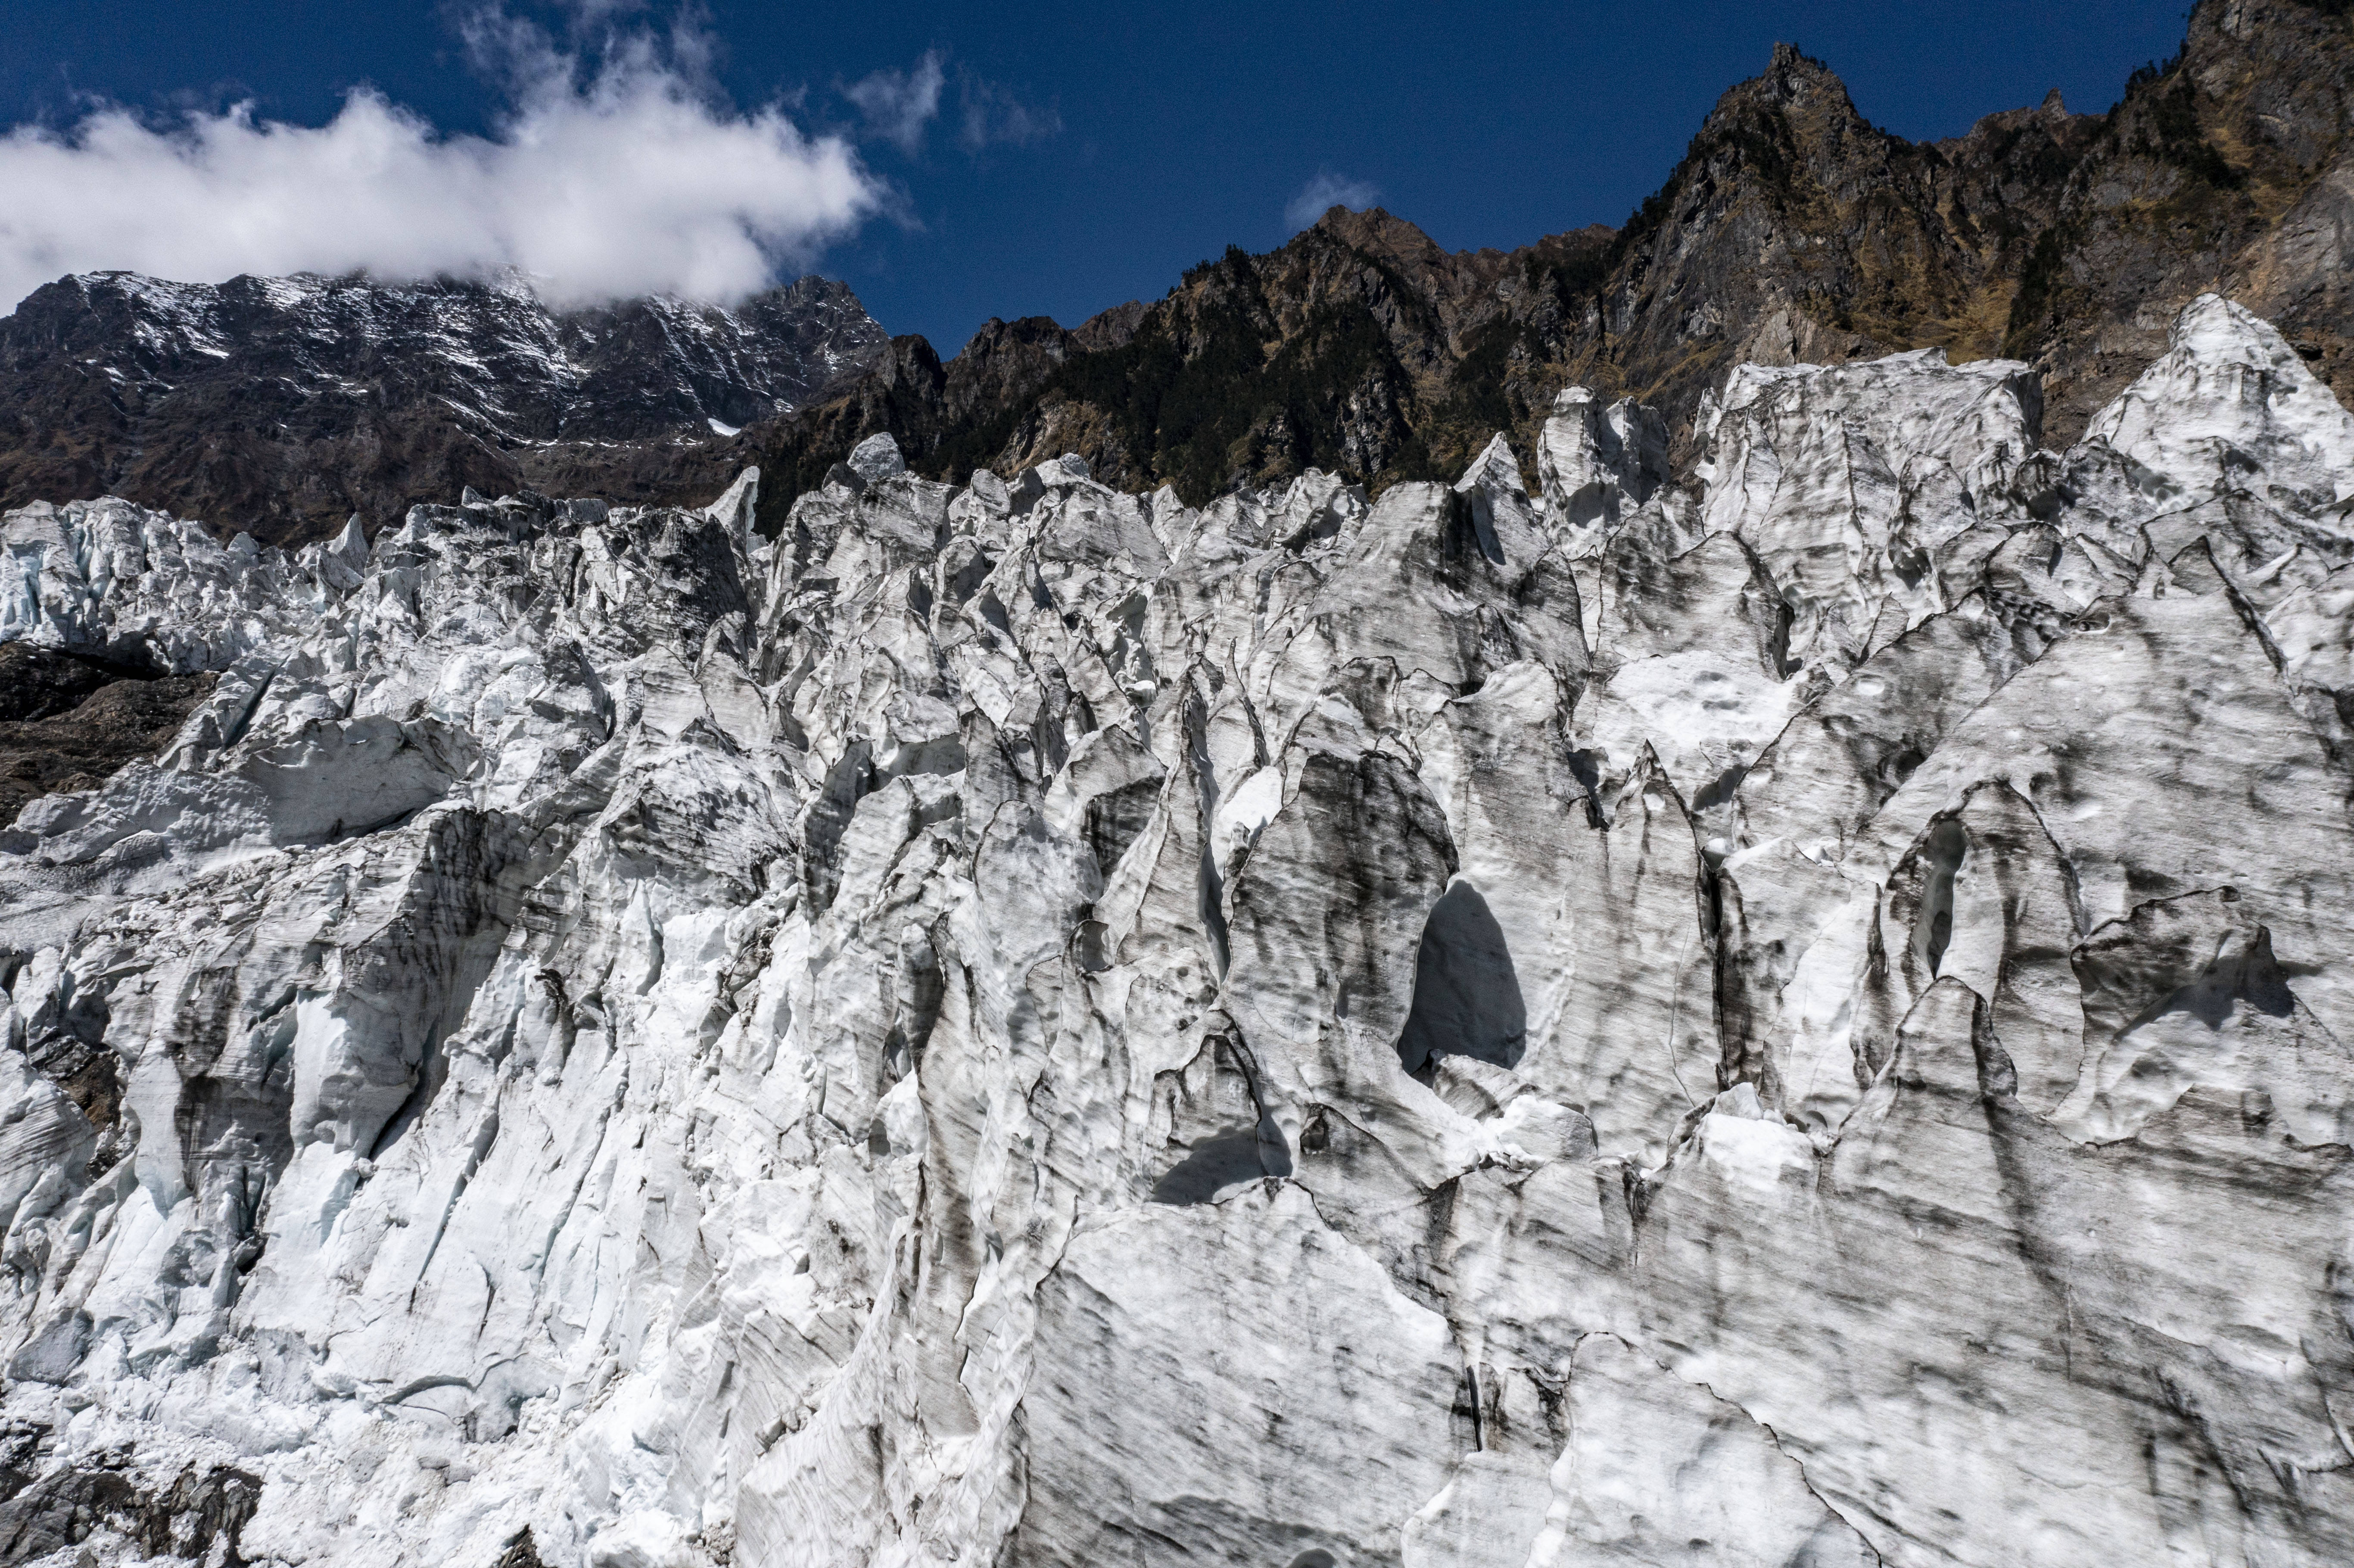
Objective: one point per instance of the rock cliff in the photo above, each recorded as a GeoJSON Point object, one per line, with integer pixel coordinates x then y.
{"type": "Point", "coordinates": [1553, 1018]}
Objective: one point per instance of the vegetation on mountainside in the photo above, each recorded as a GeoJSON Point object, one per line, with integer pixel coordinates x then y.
{"type": "Point", "coordinates": [2170, 131]}
{"type": "Point", "coordinates": [2207, 205]}
{"type": "Point", "coordinates": [1202, 404]}
{"type": "Point", "coordinates": [1217, 394]}
{"type": "Point", "coordinates": [2038, 283]}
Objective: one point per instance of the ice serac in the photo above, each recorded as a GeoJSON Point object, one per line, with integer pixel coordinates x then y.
{"type": "Point", "coordinates": [1799, 1022]}
{"type": "Point", "coordinates": [1598, 463]}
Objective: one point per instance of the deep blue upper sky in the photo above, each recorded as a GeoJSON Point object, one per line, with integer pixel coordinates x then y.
{"type": "Point", "coordinates": [1181, 129]}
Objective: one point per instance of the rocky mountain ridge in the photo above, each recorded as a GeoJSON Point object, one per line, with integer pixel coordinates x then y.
{"type": "Point", "coordinates": [278, 406]}
{"type": "Point", "coordinates": [1795, 1021]}
{"type": "Point", "coordinates": [1792, 231]}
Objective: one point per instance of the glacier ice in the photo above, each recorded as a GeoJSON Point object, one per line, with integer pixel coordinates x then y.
{"type": "Point", "coordinates": [1795, 1022]}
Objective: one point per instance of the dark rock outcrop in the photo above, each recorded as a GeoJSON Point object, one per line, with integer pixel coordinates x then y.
{"type": "Point", "coordinates": [67, 720]}
{"type": "Point", "coordinates": [199, 1516]}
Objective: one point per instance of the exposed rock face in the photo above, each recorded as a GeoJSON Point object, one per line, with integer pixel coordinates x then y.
{"type": "Point", "coordinates": [1798, 1022]}
{"type": "Point", "coordinates": [1793, 231]}
{"type": "Point", "coordinates": [280, 406]}
{"type": "Point", "coordinates": [87, 718]}
{"type": "Point", "coordinates": [1360, 347]}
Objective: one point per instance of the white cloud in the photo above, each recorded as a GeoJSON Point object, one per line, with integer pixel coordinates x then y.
{"type": "Point", "coordinates": [608, 178]}
{"type": "Point", "coordinates": [899, 105]}
{"type": "Point", "coordinates": [992, 114]}
{"type": "Point", "coordinates": [1325, 192]}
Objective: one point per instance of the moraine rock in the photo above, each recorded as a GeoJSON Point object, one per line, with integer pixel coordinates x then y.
{"type": "Point", "coordinates": [1799, 1023]}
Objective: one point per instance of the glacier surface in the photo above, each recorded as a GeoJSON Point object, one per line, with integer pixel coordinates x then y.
{"type": "Point", "coordinates": [1799, 1021]}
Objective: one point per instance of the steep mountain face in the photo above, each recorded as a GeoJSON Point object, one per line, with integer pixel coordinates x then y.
{"type": "Point", "coordinates": [1793, 231]}
{"type": "Point", "coordinates": [280, 406]}
{"type": "Point", "coordinates": [1799, 1021]}
{"type": "Point", "coordinates": [2228, 166]}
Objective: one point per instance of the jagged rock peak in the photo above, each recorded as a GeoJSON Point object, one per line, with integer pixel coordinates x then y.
{"type": "Point", "coordinates": [1381, 232]}
{"type": "Point", "coordinates": [1792, 79]}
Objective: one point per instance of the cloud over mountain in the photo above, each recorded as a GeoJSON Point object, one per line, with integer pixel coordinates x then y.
{"type": "Point", "coordinates": [616, 174]}
{"type": "Point", "coordinates": [1325, 192]}
{"type": "Point", "coordinates": [899, 105]}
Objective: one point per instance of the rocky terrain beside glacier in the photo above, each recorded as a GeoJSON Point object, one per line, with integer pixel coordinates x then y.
{"type": "Point", "coordinates": [1794, 1020]}
{"type": "Point", "coordinates": [1792, 231]}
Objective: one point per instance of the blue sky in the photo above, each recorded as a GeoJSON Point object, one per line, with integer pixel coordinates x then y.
{"type": "Point", "coordinates": [1076, 156]}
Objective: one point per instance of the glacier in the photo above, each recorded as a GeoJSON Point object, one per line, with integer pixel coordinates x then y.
{"type": "Point", "coordinates": [1796, 1019]}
